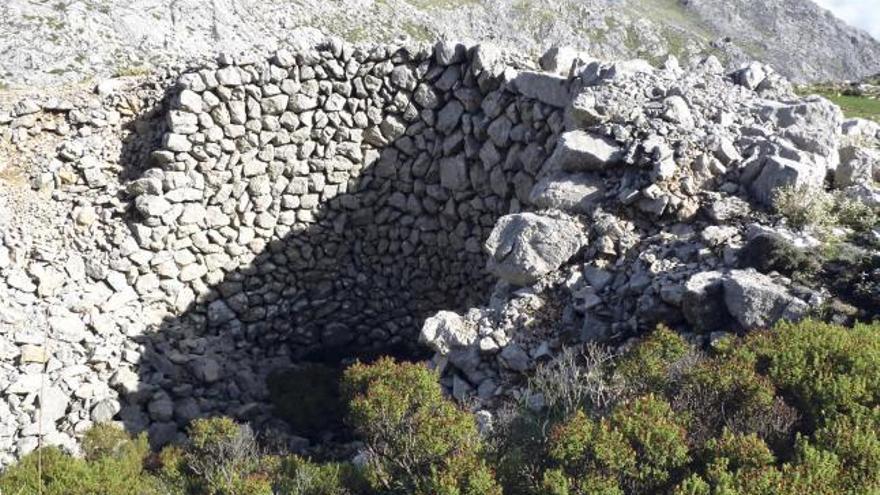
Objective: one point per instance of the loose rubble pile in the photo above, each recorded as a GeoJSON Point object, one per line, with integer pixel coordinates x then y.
{"type": "Point", "coordinates": [167, 245]}
{"type": "Point", "coordinates": [643, 209]}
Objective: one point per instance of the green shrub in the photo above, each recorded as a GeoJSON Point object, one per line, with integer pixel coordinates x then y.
{"type": "Point", "coordinates": [660, 442]}
{"type": "Point", "coordinates": [169, 466]}
{"type": "Point", "coordinates": [726, 392]}
{"type": "Point", "coordinates": [808, 206]}
{"type": "Point", "coordinates": [652, 363]}
{"type": "Point", "coordinates": [224, 459]}
{"type": "Point", "coordinates": [298, 476]}
{"type": "Point", "coordinates": [855, 441]}
{"type": "Point", "coordinates": [771, 252]}
{"type": "Point", "coordinates": [638, 449]}
{"type": "Point", "coordinates": [591, 456]}
{"type": "Point", "coordinates": [517, 433]}
{"type": "Point", "coordinates": [855, 214]}
{"type": "Point", "coordinates": [805, 206]}
{"type": "Point", "coordinates": [412, 432]}
{"type": "Point", "coordinates": [114, 464]}
{"type": "Point", "coordinates": [308, 398]}
{"type": "Point", "coordinates": [741, 451]}
{"type": "Point", "coordinates": [824, 370]}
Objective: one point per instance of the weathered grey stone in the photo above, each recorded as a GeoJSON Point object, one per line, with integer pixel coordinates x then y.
{"type": "Point", "coordinates": [151, 206]}
{"type": "Point", "coordinates": [856, 167]}
{"type": "Point", "coordinates": [514, 357]}
{"type": "Point", "coordinates": [453, 173]}
{"type": "Point", "coordinates": [205, 369]}
{"type": "Point", "coordinates": [446, 331]}
{"type": "Point", "coordinates": [576, 193]}
{"type": "Point", "coordinates": [756, 301]}
{"type": "Point", "coordinates": [219, 313]}
{"type": "Point", "coordinates": [68, 328]}
{"type": "Point", "coordinates": [189, 101]}
{"type": "Point", "coordinates": [702, 302]}
{"type": "Point", "coordinates": [579, 151]}
{"type": "Point", "coordinates": [563, 60]}
{"type": "Point", "coordinates": [125, 381]}
{"type": "Point", "coordinates": [525, 246]}
{"type": "Point", "coordinates": [229, 76]}
{"type": "Point", "coordinates": [449, 116]}
{"type": "Point", "coordinates": [176, 142]}
{"type": "Point", "coordinates": [392, 127]}
{"type": "Point", "coordinates": [275, 105]}
{"type": "Point", "coordinates": [53, 404]}
{"type": "Point", "coordinates": [105, 410]}
{"type": "Point", "coordinates": [676, 110]}
{"type": "Point", "coordinates": [547, 88]}
{"type": "Point", "coordinates": [779, 172]}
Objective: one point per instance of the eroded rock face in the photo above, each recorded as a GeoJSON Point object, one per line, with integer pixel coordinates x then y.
{"type": "Point", "coordinates": [525, 246]}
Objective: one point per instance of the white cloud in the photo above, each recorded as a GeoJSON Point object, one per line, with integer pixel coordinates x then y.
{"type": "Point", "coordinates": [864, 14]}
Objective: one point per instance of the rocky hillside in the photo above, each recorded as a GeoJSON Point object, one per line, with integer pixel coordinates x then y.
{"type": "Point", "coordinates": [168, 242]}
{"type": "Point", "coordinates": [61, 41]}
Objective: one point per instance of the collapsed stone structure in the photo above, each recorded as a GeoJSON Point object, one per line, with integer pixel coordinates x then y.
{"type": "Point", "coordinates": [360, 183]}
{"type": "Point", "coordinates": [331, 199]}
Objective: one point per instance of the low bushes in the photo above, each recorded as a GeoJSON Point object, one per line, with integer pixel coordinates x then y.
{"type": "Point", "coordinates": [792, 410]}
{"type": "Point", "coordinates": [789, 411]}
{"type": "Point", "coordinates": [113, 462]}
{"type": "Point", "coordinates": [417, 440]}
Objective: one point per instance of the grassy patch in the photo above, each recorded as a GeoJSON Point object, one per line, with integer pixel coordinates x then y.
{"type": "Point", "coordinates": [853, 106]}
{"type": "Point", "coordinates": [132, 70]}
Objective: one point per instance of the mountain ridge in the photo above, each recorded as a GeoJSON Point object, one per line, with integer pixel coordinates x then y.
{"type": "Point", "coordinates": [65, 41]}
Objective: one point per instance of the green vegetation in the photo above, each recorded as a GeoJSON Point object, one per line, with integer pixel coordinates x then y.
{"type": "Point", "coordinates": [132, 70]}
{"type": "Point", "coordinates": [113, 462]}
{"type": "Point", "coordinates": [791, 410]}
{"type": "Point", "coordinates": [805, 206]}
{"type": "Point", "coordinates": [418, 440]}
{"type": "Point", "coordinates": [853, 105]}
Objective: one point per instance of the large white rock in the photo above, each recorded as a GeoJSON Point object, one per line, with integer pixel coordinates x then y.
{"type": "Point", "coordinates": [857, 166]}
{"type": "Point", "coordinates": [446, 331]}
{"type": "Point", "coordinates": [526, 246]}
{"type": "Point", "coordinates": [756, 301]}
{"type": "Point", "coordinates": [812, 124]}
{"type": "Point", "coordinates": [779, 172]}
{"type": "Point", "coordinates": [579, 151]}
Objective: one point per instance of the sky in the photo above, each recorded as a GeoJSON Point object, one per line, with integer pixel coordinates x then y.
{"type": "Point", "coordinates": [864, 14]}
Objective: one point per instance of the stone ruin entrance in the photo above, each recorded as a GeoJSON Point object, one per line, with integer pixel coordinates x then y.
{"type": "Point", "coordinates": [323, 203]}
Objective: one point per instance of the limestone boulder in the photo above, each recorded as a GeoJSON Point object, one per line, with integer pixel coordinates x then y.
{"type": "Point", "coordinates": [580, 151]}
{"type": "Point", "coordinates": [756, 301]}
{"type": "Point", "coordinates": [779, 172]}
{"type": "Point", "coordinates": [447, 331]}
{"type": "Point", "coordinates": [857, 166]}
{"type": "Point", "coordinates": [523, 247]}
{"type": "Point", "coordinates": [577, 193]}
{"type": "Point", "coordinates": [548, 88]}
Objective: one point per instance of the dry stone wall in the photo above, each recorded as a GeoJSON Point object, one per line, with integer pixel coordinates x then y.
{"type": "Point", "coordinates": [334, 197]}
